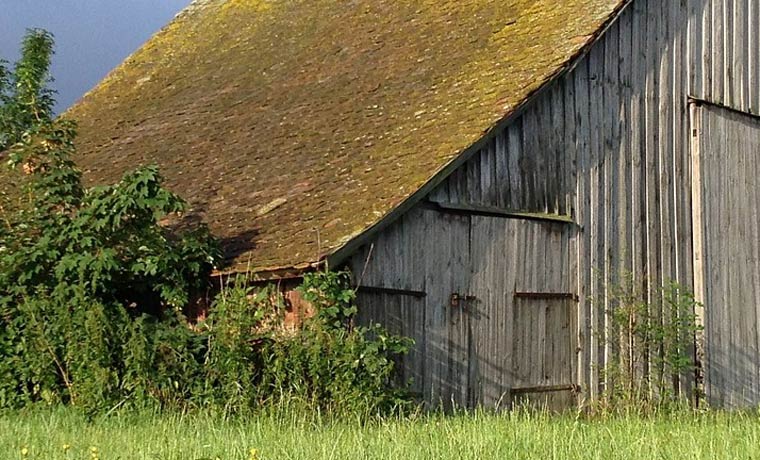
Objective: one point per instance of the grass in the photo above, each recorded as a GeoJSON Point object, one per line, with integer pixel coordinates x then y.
{"type": "Point", "coordinates": [474, 436]}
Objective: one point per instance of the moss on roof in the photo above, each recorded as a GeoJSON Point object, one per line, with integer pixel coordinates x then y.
{"type": "Point", "coordinates": [292, 126]}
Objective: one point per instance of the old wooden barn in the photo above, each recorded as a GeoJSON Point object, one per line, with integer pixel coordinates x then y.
{"type": "Point", "coordinates": [487, 169]}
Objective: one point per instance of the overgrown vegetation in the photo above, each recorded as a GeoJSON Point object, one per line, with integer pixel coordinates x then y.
{"type": "Point", "coordinates": [79, 265]}
{"type": "Point", "coordinates": [327, 363]}
{"type": "Point", "coordinates": [93, 285]}
{"type": "Point", "coordinates": [654, 341]}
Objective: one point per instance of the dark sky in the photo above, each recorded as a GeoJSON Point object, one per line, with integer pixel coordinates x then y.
{"type": "Point", "coordinates": [92, 36]}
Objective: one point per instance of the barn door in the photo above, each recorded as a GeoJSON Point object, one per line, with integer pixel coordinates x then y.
{"type": "Point", "coordinates": [726, 213]}
{"type": "Point", "coordinates": [487, 301]}
{"type": "Point", "coordinates": [523, 313]}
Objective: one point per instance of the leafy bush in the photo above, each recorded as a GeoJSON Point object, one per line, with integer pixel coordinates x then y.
{"type": "Point", "coordinates": [92, 288]}
{"type": "Point", "coordinates": [78, 265]}
{"type": "Point", "coordinates": [332, 363]}
{"type": "Point", "coordinates": [98, 356]}
{"type": "Point", "coordinates": [240, 321]}
{"type": "Point", "coordinates": [325, 364]}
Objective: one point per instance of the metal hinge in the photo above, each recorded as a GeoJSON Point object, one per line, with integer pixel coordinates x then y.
{"type": "Point", "coordinates": [461, 300]}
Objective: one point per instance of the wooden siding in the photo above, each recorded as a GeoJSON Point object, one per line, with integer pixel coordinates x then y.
{"type": "Point", "coordinates": [490, 321]}
{"type": "Point", "coordinates": [728, 257]}
{"type": "Point", "coordinates": [608, 144]}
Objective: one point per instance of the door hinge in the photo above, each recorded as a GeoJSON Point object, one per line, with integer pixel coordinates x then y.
{"type": "Point", "coordinates": [461, 300]}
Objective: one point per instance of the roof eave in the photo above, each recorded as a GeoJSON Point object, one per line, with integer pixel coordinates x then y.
{"type": "Point", "coordinates": [261, 274]}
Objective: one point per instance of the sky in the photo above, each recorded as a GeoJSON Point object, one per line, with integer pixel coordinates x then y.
{"type": "Point", "coordinates": [92, 36]}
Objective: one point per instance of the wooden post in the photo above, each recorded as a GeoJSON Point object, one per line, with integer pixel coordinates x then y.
{"type": "Point", "coordinates": [700, 383]}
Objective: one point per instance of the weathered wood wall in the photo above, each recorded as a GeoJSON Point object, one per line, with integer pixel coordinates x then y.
{"type": "Point", "coordinates": [609, 145]}
{"type": "Point", "coordinates": [727, 161]}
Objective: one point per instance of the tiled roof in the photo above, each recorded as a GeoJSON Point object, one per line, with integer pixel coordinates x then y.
{"type": "Point", "coordinates": [292, 126]}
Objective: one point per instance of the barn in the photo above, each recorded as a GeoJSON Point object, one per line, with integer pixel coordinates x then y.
{"type": "Point", "coordinates": [486, 168]}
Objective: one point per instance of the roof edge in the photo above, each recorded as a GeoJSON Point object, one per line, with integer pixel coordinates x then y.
{"type": "Point", "coordinates": [262, 274]}
{"type": "Point", "coordinates": [341, 254]}
{"type": "Point", "coordinates": [191, 8]}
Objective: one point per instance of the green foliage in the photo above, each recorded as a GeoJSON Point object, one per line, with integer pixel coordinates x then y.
{"type": "Point", "coordinates": [93, 283]}
{"type": "Point", "coordinates": [242, 319]}
{"type": "Point", "coordinates": [77, 265]}
{"type": "Point", "coordinates": [332, 363]}
{"type": "Point", "coordinates": [81, 267]}
{"type": "Point", "coordinates": [330, 294]}
{"type": "Point", "coordinates": [97, 356]}
{"type": "Point", "coordinates": [325, 364]}
{"type": "Point", "coordinates": [655, 340]}
{"type": "Point", "coordinates": [163, 363]}
{"type": "Point", "coordinates": [105, 239]}
{"type": "Point", "coordinates": [25, 99]}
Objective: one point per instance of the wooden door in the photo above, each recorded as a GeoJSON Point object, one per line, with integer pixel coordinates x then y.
{"type": "Point", "coordinates": [726, 210]}
{"type": "Point", "coordinates": [420, 265]}
{"type": "Point", "coordinates": [523, 313]}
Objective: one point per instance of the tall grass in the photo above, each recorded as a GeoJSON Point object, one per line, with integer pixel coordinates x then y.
{"type": "Point", "coordinates": [292, 435]}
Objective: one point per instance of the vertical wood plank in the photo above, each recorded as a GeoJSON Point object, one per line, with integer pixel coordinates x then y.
{"type": "Point", "coordinates": [698, 234]}
{"type": "Point", "coordinates": [502, 181]}
{"type": "Point", "coordinates": [583, 128]}
{"type": "Point", "coordinates": [517, 181]}
{"type": "Point", "coordinates": [695, 48]}
{"type": "Point", "coordinates": [609, 184]}
{"type": "Point", "coordinates": [556, 156]}
{"type": "Point", "coordinates": [597, 214]}
{"type": "Point", "coordinates": [718, 64]}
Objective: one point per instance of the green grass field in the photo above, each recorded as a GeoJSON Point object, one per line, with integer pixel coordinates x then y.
{"type": "Point", "coordinates": [479, 436]}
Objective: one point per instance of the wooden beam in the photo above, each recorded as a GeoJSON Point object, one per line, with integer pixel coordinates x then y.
{"type": "Point", "coordinates": [547, 296]}
{"type": "Point", "coordinates": [391, 291]}
{"type": "Point", "coordinates": [489, 211]}
{"type": "Point", "coordinates": [697, 102]}
{"type": "Point", "coordinates": [545, 389]}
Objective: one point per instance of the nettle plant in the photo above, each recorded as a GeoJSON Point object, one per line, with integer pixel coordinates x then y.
{"type": "Point", "coordinates": [92, 288]}
{"type": "Point", "coordinates": [328, 363]}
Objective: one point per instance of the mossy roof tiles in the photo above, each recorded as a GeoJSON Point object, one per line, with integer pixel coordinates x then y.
{"type": "Point", "coordinates": [292, 126]}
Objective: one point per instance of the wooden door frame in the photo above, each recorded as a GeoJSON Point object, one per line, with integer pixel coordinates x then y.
{"type": "Point", "coordinates": [696, 113]}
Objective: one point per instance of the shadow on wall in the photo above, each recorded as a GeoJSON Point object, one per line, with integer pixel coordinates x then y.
{"type": "Point", "coordinates": [733, 374]}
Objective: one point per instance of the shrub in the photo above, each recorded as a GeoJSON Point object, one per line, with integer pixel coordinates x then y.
{"type": "Point", "coordinates": [327, 364]}
{"type": "Point", "coordinates": [92, 287]}
{"type": "Point", "coordinates": [332, 363]}
{"type": "Point", "coordinates": [79, 267]}
{"type": "Point", "coordinates": [241, 319]}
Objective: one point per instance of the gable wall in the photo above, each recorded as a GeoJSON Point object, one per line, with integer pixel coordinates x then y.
{"type": "Point", "coordinates": [608, 144]}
